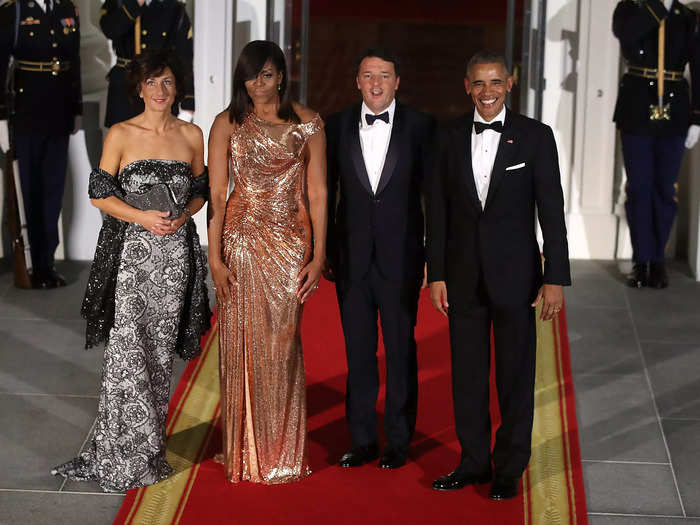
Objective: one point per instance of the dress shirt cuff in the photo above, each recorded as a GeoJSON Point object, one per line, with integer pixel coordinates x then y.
{"type": "Point", "coordinates": [656, 9]}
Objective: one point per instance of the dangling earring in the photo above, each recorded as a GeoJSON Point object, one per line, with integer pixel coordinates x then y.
{"type": "Point", "coordinates": [279, 88]}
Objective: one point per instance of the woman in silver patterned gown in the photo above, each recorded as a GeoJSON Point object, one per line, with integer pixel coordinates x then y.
{"type": "Point", "coordinates": [146, 294]}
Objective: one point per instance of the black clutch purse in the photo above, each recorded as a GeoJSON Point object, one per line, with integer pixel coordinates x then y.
{"type": "Point", "coordinates": [160, 197]}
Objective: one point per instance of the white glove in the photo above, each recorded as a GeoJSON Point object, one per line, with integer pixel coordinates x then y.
{"type": "Point", "coordinates": [692, 137]}
{"type": "Point", "coordinates": [77, 124]}
{"type": "Point", "coordinates": [668, 4]}
{"type": "Point", "coordinates": [186, 115]}
{"type": "Point", "coordinates": [4, 136]}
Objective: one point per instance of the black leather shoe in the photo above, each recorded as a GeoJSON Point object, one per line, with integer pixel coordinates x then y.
{"type": "Point", "coordinates": [393, 457]}
{"type": "Point", "coordinates": [41, 280]}
{"type": "Point", "coordinates": [639, 277]}
{"type": "Point", "coordinates": [359, 456]}
{"type": "Point", "coordinates": [457, 480]}
{"type": "Point", "coordinates": [504, 488]}
{"type": "Point", "coordinates": [658, 278]}
{"type": "Point", "coordinates": [57, 278]}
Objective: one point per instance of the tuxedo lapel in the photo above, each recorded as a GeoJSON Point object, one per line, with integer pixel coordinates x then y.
{"type": "Point", "coordinates": [507, 148]}
{"type": "Point", "coordinates": [464, 139]}
{"type": "Point", "coordinates": [356, 150]}
{"type": "Point", "coordinates": [392, 154]}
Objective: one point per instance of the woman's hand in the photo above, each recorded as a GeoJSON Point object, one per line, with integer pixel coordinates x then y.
{"type": "Point", "coordinates": [155, 221]}
{"type": "Point", "coordinates": [223, 279]}
{"type": "Point", "coordinates": [308, 278]}
{"type": "Point", "coordinates": [176, 224]}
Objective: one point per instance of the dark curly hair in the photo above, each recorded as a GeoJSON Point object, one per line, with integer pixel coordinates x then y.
{"type": "Point", "coordinates": [152, 63]}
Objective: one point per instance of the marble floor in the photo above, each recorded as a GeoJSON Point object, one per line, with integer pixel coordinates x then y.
{"type": "Point", "coordinates": [636, 362]}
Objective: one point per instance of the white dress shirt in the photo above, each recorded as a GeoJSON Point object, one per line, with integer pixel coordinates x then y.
{"type": "Point", "coordinates": [484, 149]}
{"type": "Point", "coordinates": [374, 140]}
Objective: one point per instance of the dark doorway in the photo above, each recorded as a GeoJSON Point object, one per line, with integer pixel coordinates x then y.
{"type": "Point", "coordinates": [433, 41]}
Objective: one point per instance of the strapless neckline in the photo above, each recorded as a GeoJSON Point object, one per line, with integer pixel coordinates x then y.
{"type": "Point", "coordinates": [166, 161]}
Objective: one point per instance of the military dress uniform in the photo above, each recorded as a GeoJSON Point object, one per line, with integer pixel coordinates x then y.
{"type": "Point", "coordinates": [132, 29]}
{"type": "Point", "coordinates": [45, 80]}
{"type": "Point", "coordinates": [653, 112]}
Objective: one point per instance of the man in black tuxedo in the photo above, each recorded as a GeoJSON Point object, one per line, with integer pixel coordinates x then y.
{"type": "Point", "coordinates": [494, 169]}
{"type": "Point", "coordinates": [378, 154]}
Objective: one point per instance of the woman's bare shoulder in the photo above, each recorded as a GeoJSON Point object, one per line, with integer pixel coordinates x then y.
{"type": "Point", "coordinates": [222, 125]}
{"type": "Point", "coordinates": [192, 132]}
{"type": "Point", "coordinates": [305, 114]}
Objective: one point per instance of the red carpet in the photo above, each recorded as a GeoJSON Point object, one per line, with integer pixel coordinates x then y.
{"type": "Point", "coordinates": [198, 493]}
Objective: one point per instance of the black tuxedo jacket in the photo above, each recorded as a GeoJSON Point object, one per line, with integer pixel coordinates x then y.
{"type": "Point", "coordinates": [498, 244]}
{"type": "Point", "coordinates": [389, 225]}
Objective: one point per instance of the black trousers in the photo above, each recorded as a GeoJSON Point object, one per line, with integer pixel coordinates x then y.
{"type": "Point", "coordinates": [515, 347]}
{"type": "Point", "coordinates": [652, 165]}
{"type": "Point", "coordinates": [396, 303]}
{"type": "Point", "coordinates": [42, 167]}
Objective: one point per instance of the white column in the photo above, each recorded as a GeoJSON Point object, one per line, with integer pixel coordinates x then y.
{"type": "Point", "coordinates": [692, 165]}
{"type": "Point", "coordinates": [213, 68]}
{"type": "Point", "coordinates": [581, 71]}
{"type": "Point", "coordinates": [253, 11]}
{"type": "Point", "coordinates": [81, 221]}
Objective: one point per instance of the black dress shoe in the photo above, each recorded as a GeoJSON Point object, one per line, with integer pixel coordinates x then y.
{"type": "Point", "coordinates": [457, 480]}
{"type": "Point", "coordinates": [359, 456]}
{"type": "Point", "coordinates": [658, 278]}
{"type": "Point", "coordinates": [393, 457]}
{"type": "Point", "coordinates": [57, 278]}
{"type": "Point", "coordinates": [504, 488]}
{"type": "Point", "coordinates": [41, 280]}
{"type": "Point", "coordinates": [639, 277]}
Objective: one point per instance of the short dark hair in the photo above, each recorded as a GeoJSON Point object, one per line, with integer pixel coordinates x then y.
{"type": "Point", "coordinates": [152, 63]}
{"type": "Point", "coordinates": [486, 56]}
{"type": "Point", "coordinates": [253, 58]}
{"type": "Point", "coordinates": [379, 52]}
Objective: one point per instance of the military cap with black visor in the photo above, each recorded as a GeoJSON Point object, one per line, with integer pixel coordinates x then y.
{"type": "Point", "coordinates": [658, 117]}
{"type": "Point", "coordinates": [134, 26]}
{"type": "Point", "coordinates": [42, 99]}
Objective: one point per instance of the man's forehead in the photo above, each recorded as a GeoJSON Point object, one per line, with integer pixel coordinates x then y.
{"type": "Point", "coordinates": [488, 70]}
{"type": "Point", "coordinates": [374, 63]}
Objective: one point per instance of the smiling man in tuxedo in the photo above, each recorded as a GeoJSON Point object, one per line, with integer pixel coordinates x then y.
{"type": "Point", "coordinates": [496, 170]}
{"type": "Point", "coordinates": [378, 154]}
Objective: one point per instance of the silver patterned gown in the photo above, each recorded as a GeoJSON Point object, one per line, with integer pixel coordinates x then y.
{"type": "Point", "coordinates": [127, 449]}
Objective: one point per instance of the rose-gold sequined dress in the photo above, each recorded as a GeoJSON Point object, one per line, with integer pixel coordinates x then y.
{"type": "Point", "coordinates": [266, 242]}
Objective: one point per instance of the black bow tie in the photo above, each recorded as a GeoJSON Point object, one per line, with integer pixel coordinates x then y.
{"type": "Point", "coordinates": [371, 118]}
{"type": "Point", "coordinates": [497, 126]}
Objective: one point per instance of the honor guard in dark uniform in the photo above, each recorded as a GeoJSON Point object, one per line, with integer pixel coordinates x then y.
{"type": "Point", "coordinates": [43, 101]}
{"type": "Point", "coordinates": [136, 25]}
{"type": "Point", "coordinates": [657, 118]}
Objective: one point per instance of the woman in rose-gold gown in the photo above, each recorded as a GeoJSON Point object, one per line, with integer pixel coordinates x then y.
{"type": "Point", "coordinates": [267, 248]}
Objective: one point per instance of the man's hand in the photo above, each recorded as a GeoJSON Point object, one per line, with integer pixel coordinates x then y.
{"type": "Point", "coordinates": [438, 296]}
{"type": "Point", "coordinates": [692, 137]}
{"type": "Point", "coordinates": [552, 297]}
{"type": "Point", "coordinates": [4, 136]}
